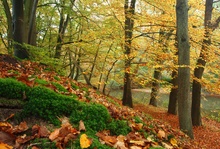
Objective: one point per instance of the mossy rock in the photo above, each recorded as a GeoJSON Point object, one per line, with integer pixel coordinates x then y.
{"type": "Point", "coordinates": [12, 89]}
{"type": "Point", "coordinates": [47, 104]}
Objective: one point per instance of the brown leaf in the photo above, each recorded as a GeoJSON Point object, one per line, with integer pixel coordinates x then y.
{"type": "Point", "coordinates": [161, 134]}
{"type": "Point", "coordinates": [20, 128]}
{"type": "Point", "coordinates": [40, 131]}
{"type": "Point", "coordinates": [6, 127]}
{"type": "Point", "coordinates": [7, 138]}
{"type": "Point", "coordinates": [35, 147]}
{"type": "Point", "coordinates": [54, 134]}
{"type": "Point", "coordinates": [81, 126]}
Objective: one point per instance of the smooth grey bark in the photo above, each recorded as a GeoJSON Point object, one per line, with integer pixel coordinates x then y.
{"type": "Point", "coordinates": [129, 9]}
{"type": "Point", "coordinates": [184, 103]}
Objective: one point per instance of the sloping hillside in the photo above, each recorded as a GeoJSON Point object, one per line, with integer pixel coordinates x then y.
{"type": "Point", "coordinates": [42, 109]}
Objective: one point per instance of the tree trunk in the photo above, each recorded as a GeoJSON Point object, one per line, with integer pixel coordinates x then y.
{"type": "Point", "coordinates": [129, 24]}
{"type": "Point", "coordinates": [184, 104]}
{"type": "Point", "coordinates": [155, 87]}
{"type": "Point", "coordinates": [94, 61]}
{"type": "Point", "coordinates": [62, 28]}
{"type": "Point", "coordinates": [201, 62]}
{"type": "Point", "coordinates": [32, 35]}
{"type": "Point", "coordinates": [172, 107]}
{"type": "Point", "coordinates": [18, 29]}
{"type": "Point", "coordinates": [9, 22]}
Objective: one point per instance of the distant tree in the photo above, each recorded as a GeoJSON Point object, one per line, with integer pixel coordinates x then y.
{"type": "Point", "coordinates": [129, 9]}
{"type": "Point", "coordinates": [9, 22]}
{"type": "Point", "coordinates": [172, 106]}
{"type": "Point", "coordinates": [164, 37]}
{"type": "Point", "coordinates": [184, 104]}
{"type": "Point", "coordinates": [201, 62]}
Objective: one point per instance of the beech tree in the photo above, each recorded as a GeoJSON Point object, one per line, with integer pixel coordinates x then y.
{"type": "Point", "coordinates": [129, 9]}
{"type": "Point", "coordinates": [201, 62]}
{"type": "Point", "coordinates": [18, 29]}
{"type": "Point", "coordinates": [184, 104]}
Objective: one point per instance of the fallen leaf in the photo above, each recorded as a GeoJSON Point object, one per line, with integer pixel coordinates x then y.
{"type": "Point", "coordinates": [7, 138]}
{"type": "Point", "coordinates": [34, 147]}
{"type": "Point", "coordinates": [5, 146]}
{"type": "Point", "coordinates": [161, 134]}
{"type": "Point", "coordinates": [139, 142]}
{"type": "Point", "coordinates": [166, 146]}
{"type": "Point", "coordinates": [54, 134]}
{"type": "Point", "coordinates": [135, 147]}
{"type": "Point", "coordinates": [20, 128]}
{"type": "Point", "coordinates": [40, 131]}
{"type": "Point", "coordinates": [85, 142]}
{"type": "Point", "coordinates": [81, 126]}
{"type": "Point", "coordinates": [173, 141]}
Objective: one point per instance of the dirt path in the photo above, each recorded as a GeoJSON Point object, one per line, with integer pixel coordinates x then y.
{"type": "Point", "coordinates": [206, 136]}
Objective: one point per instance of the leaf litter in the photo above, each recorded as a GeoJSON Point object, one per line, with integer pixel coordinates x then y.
{"type": "Point", "coordinates": [159, 131]}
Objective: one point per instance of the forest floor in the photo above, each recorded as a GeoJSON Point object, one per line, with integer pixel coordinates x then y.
{"type": "Point", "coordinates": [205, 137]}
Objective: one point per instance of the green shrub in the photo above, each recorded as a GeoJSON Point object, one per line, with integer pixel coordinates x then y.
{"type": "Point", "coordinates": [94, 116]}
{"type": "Point", "coordinates": [119, 127]}
{"type": "Point", "coordinates": [47, 104]}
{"type": "Point", "coordinates": [12, 89]}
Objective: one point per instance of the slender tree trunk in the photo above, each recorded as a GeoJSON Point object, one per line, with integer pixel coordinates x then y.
{"type": "Point", "coordinates": [184, 104]}
{"type": "Point", "coordinates": [201, 62]}
{"type": "Point", "coordinates": [129, 24]}
{"type": "Point", "coordinates": [94, 62]}
{"type": "Point", "coordinates": [107, 76]}
{"type": "Point", "coordinates": [32, 35]}
{"type": "Point", "coordinates": [172, 107]}
{"type": "Point", "coordinates": [155, 87]}
{"type": "Point", "coordinates": [103, 66]}
{"type": "Point", "coordinates": [9, 22]}
{"type": "Point", "coordinates": [18, 29]}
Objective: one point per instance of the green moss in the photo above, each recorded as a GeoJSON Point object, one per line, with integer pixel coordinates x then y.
{"type": "Point", "coordinates": [47, 104]}
{"type": "Point", "coordinates": [118, 127]}
{"type": "Point", "coordinates": [43, 143]}
{"type": "Point", "coordinates": [56, 78]}
{"type": "Point", "coordinates": [12, 89]}
{"type": "Point", "coordinates": [41, 82]}
{"type": "Point", "coordinates": [59, 87]}
{"type": "Point", "coordinates": [137, 119]}
{"type": "Point", "coordinates": [94, 116]}
{"type": "Point", "coordinates": [74, 86]}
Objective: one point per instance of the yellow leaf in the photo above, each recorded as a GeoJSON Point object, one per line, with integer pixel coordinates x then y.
{"type": "Point", "coordinates": [85, 142]}
{"type": "Point", "coordinates": [173, 142]}
{"type": "Point", "coordinates": [5, 146]}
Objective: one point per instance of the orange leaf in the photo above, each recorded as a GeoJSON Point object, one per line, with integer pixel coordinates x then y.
{"type": "Point", "coordinates": [5, 146]}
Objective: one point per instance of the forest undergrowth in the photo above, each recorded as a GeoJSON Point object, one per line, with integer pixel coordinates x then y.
{"type": "Point", "coordinates": [143, 126]}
